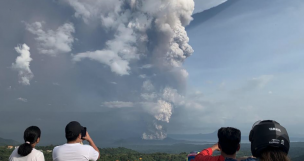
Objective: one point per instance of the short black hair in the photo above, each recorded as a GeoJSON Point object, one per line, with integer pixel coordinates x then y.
{"type": "Point", "coordinates": [72, 130]}
{"type": "Point", "coordinates": [71, 137]}
{"type": "Point", "coordinates": [229, 139]}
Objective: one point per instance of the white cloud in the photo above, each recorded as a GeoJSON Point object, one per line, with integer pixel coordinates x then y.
{"type": "Point", "coordinates": [149, 96]}
{"type": "Point", "coordinates": [132, 26]}
{"type": "Point", "coordinates": [161, 110]}
{"type": "Point", "coordinates": [113, 83]}
{"type": "Point", "coordinates": [172, 95]}
{"type": "Point", "coordinates": [118, 53]}
{"type": "Point", "coordinates": [56, 84]}
{"type": "Point", "coordinates": [160, 133]}
{"type": "Point", "coordinates": [118, 104]}
{"type": "Point", "coordinates": [22, 99]}
{"type": "Point", "coordinates": [90, 11]}
{"type": "Point", "coordinates": [53, 42]}
{"type": "Point", "coordinates": [146, 66]}
{"type": "Point", "coordinates": [262, 81]}
{"type": "Point", "coordinates": [143, 76]}
{"type": "Point", "coordinates": [257, 83]}
{"type": "Point", "coordinates": [22, 64]}
{"type": "Point", "coordinates": [108, 57]}
{"type": "Point", "coordinates": [146, 34]}
{"type": "Point", "coordinates": [148, 86]}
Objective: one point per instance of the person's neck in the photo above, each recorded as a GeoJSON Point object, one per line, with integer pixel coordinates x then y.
{"type": "Point", "coordinates": [228, 156]}
{"type": "Point", "coordinates": [72, 142]}
{"type": "Point", "coordinates": [33, 145]}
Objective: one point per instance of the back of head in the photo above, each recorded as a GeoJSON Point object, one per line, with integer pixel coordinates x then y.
{"type": "Point", "coordinates": [229, 139]}
{"type": "Point", "coordinates": [31, 134]}
{"type": "Point", "coordinates": [72, 130]}
{"type": "Point", "coordinates": [269, 140]}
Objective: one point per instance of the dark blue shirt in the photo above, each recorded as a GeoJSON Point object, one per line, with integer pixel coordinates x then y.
{"type": "Point", "coordinates": [248, 159]}
{"type": "Point", "coordinates": [230, 159]}
{"type": "Point", "coordinates": [251, 159]}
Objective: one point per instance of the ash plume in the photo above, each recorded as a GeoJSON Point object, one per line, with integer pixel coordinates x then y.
{"type": "Point", "coordinates": [53, 42]}
{"type": "Point", "coordinates": [22, 64]}
{"type": "Point", "coordinates": [148, 39]}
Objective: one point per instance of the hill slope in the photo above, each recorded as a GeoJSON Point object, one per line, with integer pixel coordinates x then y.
{"type": "Point", "coordinates": [4, 142]}
{"type": "Point", "coordinates": [204, 16]}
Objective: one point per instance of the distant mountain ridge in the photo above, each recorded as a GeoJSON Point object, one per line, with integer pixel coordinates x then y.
{"type": "Point", "coordinates": [210, 137]}
{"type": "Point", "coordinates": [140, 141]}
{"type": "Point", "coordinates": [203, 16]}
{"type": "Point", "coordinates": [195, 137]}
{"type": "Point", "coordinates": [4, 142]}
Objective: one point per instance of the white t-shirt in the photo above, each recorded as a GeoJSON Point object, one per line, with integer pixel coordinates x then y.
{"type": "Point", "coordinates": [74, 152]}
{"type": "Point", "coordinates": [35, 155]}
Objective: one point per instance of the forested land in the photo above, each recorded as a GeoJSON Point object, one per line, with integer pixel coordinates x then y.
{"type": "Point", "coordinates": [110, 154]}
{"type": "Point", "coordinates": [296, 153]}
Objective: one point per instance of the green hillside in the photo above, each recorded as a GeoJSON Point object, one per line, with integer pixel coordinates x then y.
{"type": "Point", "coordinates": [109, 154]}
{"type": "Point", "coordinates": [176, 152]}
{"type": "Point", "coordinates": [4, 142]}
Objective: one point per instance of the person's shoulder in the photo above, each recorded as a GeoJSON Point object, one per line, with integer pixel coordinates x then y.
{"type": "Point", "coordinates": [15, 152]}
{"type": "Point", "coordinates": [58, 147]}
{"type": "Point", "coordinates": [87, 147]}
{"type": "Point", "coordinates": [36, 152]}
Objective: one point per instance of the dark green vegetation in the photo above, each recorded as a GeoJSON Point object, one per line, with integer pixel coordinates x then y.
{"type": "Point", "coordinates": [123, 154]}
{"type": "Point", "coordinates": [5, 153]}
{"type": "Point", "coordinates": [109, 154]}
{"type": "Point", "coordinates": [176, 152]}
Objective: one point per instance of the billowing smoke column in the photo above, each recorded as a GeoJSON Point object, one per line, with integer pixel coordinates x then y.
{"type": "Point", "coordinates": [22, 64]}
{"type": "Point", "coordinates": [53, 42]}
{"type": "Point", "coordinates": [148, 35]}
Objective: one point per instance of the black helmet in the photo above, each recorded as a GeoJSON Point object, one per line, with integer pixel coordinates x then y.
{"type": "Point", "coordinates": [268, 133]}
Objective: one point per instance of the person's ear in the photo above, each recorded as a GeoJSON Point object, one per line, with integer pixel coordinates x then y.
{"type": "Point", "coordinates": [219, 146]}
{"type": "Point", "coordinates": [38, 140]}
{"type": "Point", "coordinates": [79, 138]}
{"type": "Point", "coordinates": [239, 147]}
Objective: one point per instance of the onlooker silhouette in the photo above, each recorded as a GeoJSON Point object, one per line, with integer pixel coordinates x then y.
{"type": "Point", "coordinates": [228, 144]}
{"type": "Point", "coordinates": [269, 142]}
{"type": "Point", "coordinates": [27, 151]}
{"type": "Point", "coordinates": [73, 150]}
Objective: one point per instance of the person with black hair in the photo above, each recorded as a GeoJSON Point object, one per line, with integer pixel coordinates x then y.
{"type": "Point", "coordinates": [74, 150]}
{"type": "Point", "coordinates": [269, 142]}
{"type": "Point", "coordinates": [27, 151]}
{"type": "Point", "coordinates": [228, 144]}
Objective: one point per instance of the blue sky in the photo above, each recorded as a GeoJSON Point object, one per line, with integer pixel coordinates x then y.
{"type": "Point", "coordinates": [128, 71]}
{"type": "Point", "coordinates": [250, 56]}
